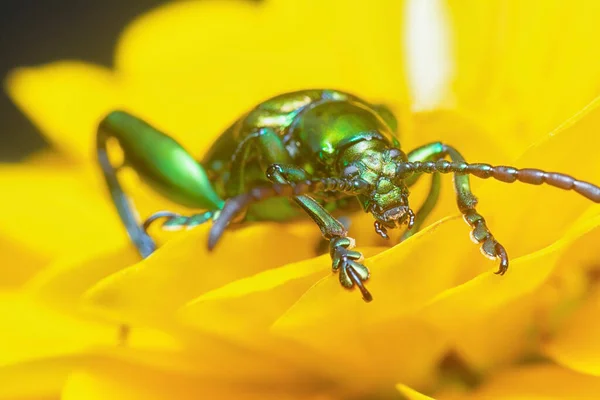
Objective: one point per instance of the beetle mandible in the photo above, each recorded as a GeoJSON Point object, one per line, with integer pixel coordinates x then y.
{"type": "Point", "coordinates": [317, 147]}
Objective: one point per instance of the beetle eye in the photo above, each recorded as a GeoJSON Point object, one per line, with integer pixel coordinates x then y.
{"type": "Point", "coordinates": [351, 171]}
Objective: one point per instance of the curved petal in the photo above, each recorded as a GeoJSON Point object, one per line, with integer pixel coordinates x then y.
{"type": "Point", "coordinates": [522, 68]}
{"type": "Point", "coordinates": [187, 60]}
{"type": "Point", "coordinates": [380, 354]}
{"type": "Point", "coordinates": [576, 344]}
{"type": "Point", "coordinates": [526, 218]}
{"type": "Point", "coordinates": [245, 310]}
{"type": "Point", "coordinates": [538, 382]}
{"type": "Point", "coordinates": [184, 268]}
{"type": "Point", "coordinates": [121, 381]}
{"type": "Point", "coordinates": [470, 140]}
{"type": "Point", "coordinates": [41, 379]}
{"type": "Point", "coordinates": [63, 282]}
{"type": "Point", "coordinates": [23, 319]}
{"type": "Point", "coordinates": [19, 262]}
{"type": "Point", "coordinates": [492, 340]}
{"type": "Point", "coordinates": [56, 211]}
{"type": "Point", "coordinates": [66, 100]}
{"type": "Point", "coordinates": [486, 292]}
{"type": "Point", "coordinates": [411, 394]}
{"type": "Point", "coordinates": [403, 279]}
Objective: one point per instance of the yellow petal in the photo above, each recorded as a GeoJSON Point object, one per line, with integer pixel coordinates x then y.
{"type": "Point", "coordinates": [451, 128]}
{"type": "Point", "coordinates": [524, 67]}
{"type": "Point", "coordinates": [576, 344]}
{"type": "Point", "coordinates": [19, 262]}
{"type": "Point", "coordinates": [454, 129]}
{"type": "Point", "coordinates": [486, 292]}
{"type": "Point", "coordinates": [39, 379]}
{"type": "Point", "coordinates": [66, 100]}
{"type": "Point", "coordinates": [538, 382]}
{"type": "Point", "coordinates": [493, 339]}
{"type": "Point", "coordinates": [526, 218]}
{"type": "Point", "coordinates": [122, 382]}
{"type": "Point", "coordinates": [63, 282]}
{"type": "Point", "coordinates": [57, 211]}
{"type": "Point", "coordinates": [184, 268]}
{"type": "Point", "coordinates": [411, 394]}
{"type": "Point", "coordinates": [380, 354]}
{"type": "Point", "coordinates": [245, 309]}
{"type": "Point", "coordinates": [328, 318]}
{"type": "Point", "coordinates": [195, 67]}
{"type": "Point", "coordinates": [403, 279]}
{"type": "Point", "coordinates": [30, 330]}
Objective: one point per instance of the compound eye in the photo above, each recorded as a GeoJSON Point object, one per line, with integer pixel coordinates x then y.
{"type": "Point", "coordinates": [351, 171]}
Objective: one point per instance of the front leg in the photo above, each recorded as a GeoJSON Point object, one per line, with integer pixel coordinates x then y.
{"type": "Point", "coordinates": [465, 199]}
{"type": "Point", "coordinates": [282, 170]}
{"type": "Point", "coordinates": [344, 260]}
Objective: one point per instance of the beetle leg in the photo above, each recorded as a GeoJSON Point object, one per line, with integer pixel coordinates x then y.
{"type": "Point", "coordinates": [466, 201]}
{"type": "Point", "coordinates": [344, 260]}
{"type": "Point", "coordinates": [282, 170]}
{"type": "Point", "coordinates": [161, 161]}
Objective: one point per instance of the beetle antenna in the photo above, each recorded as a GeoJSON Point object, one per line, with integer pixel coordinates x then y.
{"type": "Point", "coordinates": [501, 173]}
{"type": "Point", "coordinates": [237, 204]}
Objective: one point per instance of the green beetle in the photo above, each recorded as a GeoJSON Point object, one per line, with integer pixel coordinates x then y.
{"type": "Point", "coordinates": [321, 148]}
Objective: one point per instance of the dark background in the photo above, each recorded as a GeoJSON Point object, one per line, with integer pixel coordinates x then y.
{"type": "Point", "coordinates": [36, 32]}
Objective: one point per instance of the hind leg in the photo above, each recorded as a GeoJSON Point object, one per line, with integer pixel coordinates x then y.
{"type": "Point", "coordinates": [161, 162]}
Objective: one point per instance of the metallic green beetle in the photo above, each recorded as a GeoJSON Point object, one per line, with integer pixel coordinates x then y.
{"type": "Point", "coordinates": [321, 148]}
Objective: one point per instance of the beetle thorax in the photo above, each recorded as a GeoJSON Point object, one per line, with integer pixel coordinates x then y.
{"type": "Point", "coordinates": [375, 163]}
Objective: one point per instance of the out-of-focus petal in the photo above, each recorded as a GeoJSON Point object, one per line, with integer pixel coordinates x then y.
{"type": "Point", "coordinates": [40, 379]}
{"type": "Point", "coordinates": [489, 341]}
{"type": "Point", "coordinates": [244, 311]}
{"type": "Point", "coordinates": [195, 67]}
{"type": "Point", "coordinates": [19, 262]}
{"type": "Point", "coordinates": [526, 218]}
{"type": "Point", "coordinates": [184, 268]}
{"type": "Point", "coordinates": [576, 344]}
{"type": "Point", "coordinates": [372, 351]}
{"type": "Point", "coordinates": [57, 212]}
{"type": "Point", "coordinates": [470, 140]}
{"type": "Point", "coordinates": [63, 282]}
{"type": "Point", "coordinates": [403, 279]}
{"type": "Point", "coordinates": [121, 381]}
{"type": "Point", "coordinates": [538, 382]}
{"type": "Point", "coordinates": [463, 303]}
{"type": "Point", "coordinates": [411, 394]}
{"type": "Point", "coordinates": [66, 100]}
{"type": "Point", "coordinates": [524, 67]}
{"type": "Point", "coordinates": [23, 319]}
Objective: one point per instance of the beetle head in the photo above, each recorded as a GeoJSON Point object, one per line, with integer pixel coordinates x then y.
{"type": "Point", "coordinates": [387, 200]}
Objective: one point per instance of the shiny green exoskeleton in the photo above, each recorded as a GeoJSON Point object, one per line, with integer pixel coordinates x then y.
{"type": "Point", "coordinates": [320, 148]}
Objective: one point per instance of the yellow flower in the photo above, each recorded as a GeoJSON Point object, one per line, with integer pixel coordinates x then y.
{"type": "Point", "coordinates": [261, 317]}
